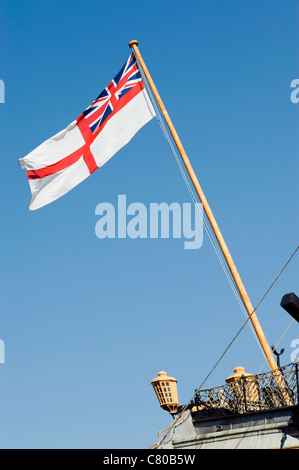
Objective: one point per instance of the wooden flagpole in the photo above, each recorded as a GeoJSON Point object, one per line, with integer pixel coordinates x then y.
{"type": "Point", "coordinates": [256, 325]}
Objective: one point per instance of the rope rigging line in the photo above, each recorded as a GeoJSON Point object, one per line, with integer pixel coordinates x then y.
{"type": "Point", "coordinates": [194, 199]}
{"type": "Point", "coordinates": [262, 366]}
{"type": "Point", "coordinates": [237, 334]}
{"type": "Point", "coordinates": [240, 329]}
{"type": "Point", "coordinates": [215, 247]}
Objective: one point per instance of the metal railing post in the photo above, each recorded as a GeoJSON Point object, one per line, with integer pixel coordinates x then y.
{"type": "Point", "coordinates": [243, 382]}
{"type": "Point", "coordinates": [297, 380]}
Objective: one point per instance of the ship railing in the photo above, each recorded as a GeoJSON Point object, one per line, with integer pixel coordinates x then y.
{"type": "Point", "coordinates": [251, 393]}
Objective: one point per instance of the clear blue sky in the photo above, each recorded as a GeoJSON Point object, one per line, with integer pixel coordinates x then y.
{"type": "Point", "coordinates": [88, 323]}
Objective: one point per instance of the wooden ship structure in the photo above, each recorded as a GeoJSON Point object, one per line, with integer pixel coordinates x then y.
{"type": "Point", "coordinates": [247, 412]}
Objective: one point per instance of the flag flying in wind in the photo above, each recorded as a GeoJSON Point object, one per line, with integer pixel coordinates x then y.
{"type": "Point", "coordinates": [109, 123]}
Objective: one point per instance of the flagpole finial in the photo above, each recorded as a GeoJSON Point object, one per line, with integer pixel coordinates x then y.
{"type": "Point", "coordinates": [133, 43]}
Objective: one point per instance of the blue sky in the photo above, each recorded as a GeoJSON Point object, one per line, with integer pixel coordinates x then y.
{"type": "Point", "coordinates": [88, 323]}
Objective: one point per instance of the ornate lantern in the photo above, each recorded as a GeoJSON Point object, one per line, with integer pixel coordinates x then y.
{"type": "Point", "coordinates": [166, 391]}
{"type": "Point", "coordinates": [244, 388]}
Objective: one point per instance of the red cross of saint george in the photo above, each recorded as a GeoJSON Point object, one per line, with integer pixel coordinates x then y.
{"type": "Point", "coordinates": [84, 123]}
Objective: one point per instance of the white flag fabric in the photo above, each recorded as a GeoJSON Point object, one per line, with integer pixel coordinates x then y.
{"type": "Point", "coordinates": [63, 161]}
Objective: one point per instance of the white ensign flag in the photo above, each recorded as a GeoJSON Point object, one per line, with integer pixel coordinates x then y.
{"type": "Point", "coordinates": [109, 123]}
